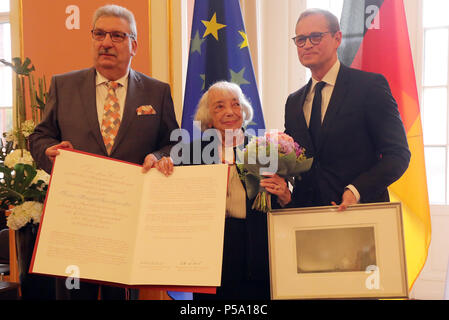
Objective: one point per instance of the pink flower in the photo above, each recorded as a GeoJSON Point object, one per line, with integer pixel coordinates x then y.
{"type": "Point", "coordinates": [299, 151]}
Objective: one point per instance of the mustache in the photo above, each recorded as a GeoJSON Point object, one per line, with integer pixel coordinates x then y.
{"type": "Point", "coordinates": [106, 51]}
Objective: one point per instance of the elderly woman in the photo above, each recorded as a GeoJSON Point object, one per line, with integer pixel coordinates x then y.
{"type": "Point", "coordinates": [245, 271]}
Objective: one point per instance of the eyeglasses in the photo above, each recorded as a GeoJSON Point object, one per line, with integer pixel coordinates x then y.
{"type": "Point", "coordinates": [116, 36]}
{"type": "Point", "coordinates": [315, 39]}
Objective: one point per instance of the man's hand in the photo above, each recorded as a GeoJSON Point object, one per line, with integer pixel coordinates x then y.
{"type": "Point", "coordinates": [277, 186]}
{"type": "Point", "coordinates": [52, 151]}
{"type": "Point", "coordinates": [164, 165]}
{"type": "Point", "coordinates": [348, 199]}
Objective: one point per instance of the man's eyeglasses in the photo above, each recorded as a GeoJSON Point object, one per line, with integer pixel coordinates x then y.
{"type": "Point", "coordinates": [116, 36]}
{"type": "Point", "coordinates": [315, 39]}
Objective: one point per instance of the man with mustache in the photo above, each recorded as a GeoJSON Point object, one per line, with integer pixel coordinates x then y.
{"type": "Point", "coordinates": [110, 110]}
{"type": "Point", "coordinates": [347, 120]}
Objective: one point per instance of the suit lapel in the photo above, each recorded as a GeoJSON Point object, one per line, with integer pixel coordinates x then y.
{"type": "Point", "coordinates": [335, 103]}
{"type": "Point", "coordinates": [88, 94]}
{"type": "Point", "coordinates": [129, 113]}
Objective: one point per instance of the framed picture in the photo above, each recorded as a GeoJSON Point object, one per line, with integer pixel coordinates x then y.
{"type": "Point", "coordinates": [319, 253]}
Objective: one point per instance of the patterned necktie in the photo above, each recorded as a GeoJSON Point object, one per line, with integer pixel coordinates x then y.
{"type": "Point", "coordinates": [315, 117]}
{"type": "Point", "coordinates": [111, 116]}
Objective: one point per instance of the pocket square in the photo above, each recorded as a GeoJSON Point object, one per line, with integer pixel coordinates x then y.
{"type": "Point", "coordinates": [144, 110]}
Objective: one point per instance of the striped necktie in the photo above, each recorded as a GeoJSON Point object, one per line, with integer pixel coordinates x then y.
{"type": "Point", "coordinates": [111, 116]}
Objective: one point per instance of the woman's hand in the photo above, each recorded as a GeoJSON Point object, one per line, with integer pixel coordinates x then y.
{"type": "Point", "coordinates": [276, 185]}
{"type": "Point", "coordinates": [164, 165]}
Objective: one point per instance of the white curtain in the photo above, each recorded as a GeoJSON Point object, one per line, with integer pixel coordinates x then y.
{"type": "Point", "coordinates": [270, 25]}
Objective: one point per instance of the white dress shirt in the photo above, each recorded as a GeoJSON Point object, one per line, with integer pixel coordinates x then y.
{"type": "Point", "coordinates": [330, 78]}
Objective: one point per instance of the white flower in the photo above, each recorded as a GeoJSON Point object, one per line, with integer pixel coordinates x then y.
{"type": "Point", "coordinates": [25, 213]}
{"type": "Point", "coordinates": [17, 220]}
{"type": "Point", "coordinates": [27, 128]}
{"type": "Point", "coordinates": [41, 175]}
{"type": "Point", "coordinates": [35, 209]}
{"type": "Point", "coordinates": [11, 136]}
{"type": "Point", "coordinates": [15, 157]}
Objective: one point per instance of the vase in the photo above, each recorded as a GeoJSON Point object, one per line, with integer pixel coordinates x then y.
{"type": "Point", "coordinates": [33, 287]}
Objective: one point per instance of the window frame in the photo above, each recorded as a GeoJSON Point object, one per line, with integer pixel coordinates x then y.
{"type": "Point", "coordinates": [4, 17]}
{"type": "Point", "coordinates": [422, 89]}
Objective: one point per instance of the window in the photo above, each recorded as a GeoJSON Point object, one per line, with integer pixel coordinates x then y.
{"type": "Point", "coordinates": [334, 6]}
{"type": "Point", "coordinates": [5, 72]}
{"type": "Point", "coordinates": [4, 5]}
{"type": "Point", "coordinates": [435, 104]}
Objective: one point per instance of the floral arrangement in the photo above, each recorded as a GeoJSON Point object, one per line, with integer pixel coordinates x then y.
{"type": "Point", "coordinates": [22, 185]}
{"type": "Point", "coordinates": [276, 151]}
{"type": "Point", "coordinates": [18, 156]}
{"type": "Point", "coordinates": [17, 135]}
{"type": "Point", "coordinates": [27, 212]}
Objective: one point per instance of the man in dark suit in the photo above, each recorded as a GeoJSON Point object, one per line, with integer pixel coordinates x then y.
{"type": "Point", "coordinates": [346, 119]}
{"type": "Point", "coordinates": [109, 110]}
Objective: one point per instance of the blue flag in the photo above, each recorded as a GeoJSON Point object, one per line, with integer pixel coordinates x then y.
{"type": "Point", "coordinates": [219, 51]}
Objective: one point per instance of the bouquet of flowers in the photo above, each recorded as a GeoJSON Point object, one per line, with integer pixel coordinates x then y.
{"type": "Point", "coordinates": [272, 153]}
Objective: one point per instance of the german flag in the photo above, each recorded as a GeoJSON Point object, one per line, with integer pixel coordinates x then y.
{"type": "Point", "coordinates": [375, 39]}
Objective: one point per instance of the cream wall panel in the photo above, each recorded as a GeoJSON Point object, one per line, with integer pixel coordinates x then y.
{"type": "Point", "coordinates": [159, 40]}
{"type": "Point", "coordinates": [168, 27]}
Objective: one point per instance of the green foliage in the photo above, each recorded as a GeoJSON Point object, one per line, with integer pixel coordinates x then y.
{"type": "Point", "coordinates": [16, 185]}
{"type": "Point", "coordinates": [23, 69]}
{"type": "Point", "coordinates": [37, 96]}
{"type": "Point", "coordinates": [5, 149]}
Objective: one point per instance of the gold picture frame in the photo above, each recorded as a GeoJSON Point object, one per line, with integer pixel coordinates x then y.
{"type": "Point", "coordinates": [319, 253]}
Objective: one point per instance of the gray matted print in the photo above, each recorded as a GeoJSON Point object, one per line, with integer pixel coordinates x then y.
{"type": "Point", "coordinates": [335, 250]}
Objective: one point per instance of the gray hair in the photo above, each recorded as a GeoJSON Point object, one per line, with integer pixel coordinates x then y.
{"type": "Point", "coordinates": [203, 114]}
{"type": "Point", "coordinates": [332, 20]}
{"type": "Point", "coordinates": [112, 10]}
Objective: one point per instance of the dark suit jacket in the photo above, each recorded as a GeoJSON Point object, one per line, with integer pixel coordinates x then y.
{"type": "Point", "coordinates": [363, 141]}
{"type": "Point", "coordinates": [71, 114]}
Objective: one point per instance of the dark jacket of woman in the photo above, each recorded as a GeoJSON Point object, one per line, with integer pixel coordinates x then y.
{"type": "Point", "coordinates": [245, 271]}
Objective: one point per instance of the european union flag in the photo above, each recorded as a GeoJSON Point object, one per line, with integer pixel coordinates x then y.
{"type": "Point", "coordinates": [219, 51]}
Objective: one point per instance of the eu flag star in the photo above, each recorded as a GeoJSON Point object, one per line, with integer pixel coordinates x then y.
{"type": "Point", "coordinates": [244, 44]}
{"type": "Point", "coordinates": [238, 77]}
{"type": "Point", "coordinates": [196, 43]}
{"type": "Point", "coordinates": [203, 77]}
{"type": "Point", "coordinates": [212, 27]}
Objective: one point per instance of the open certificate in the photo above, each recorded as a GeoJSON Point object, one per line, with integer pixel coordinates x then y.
{"type": "Point", "coordinates": [115, 224]}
